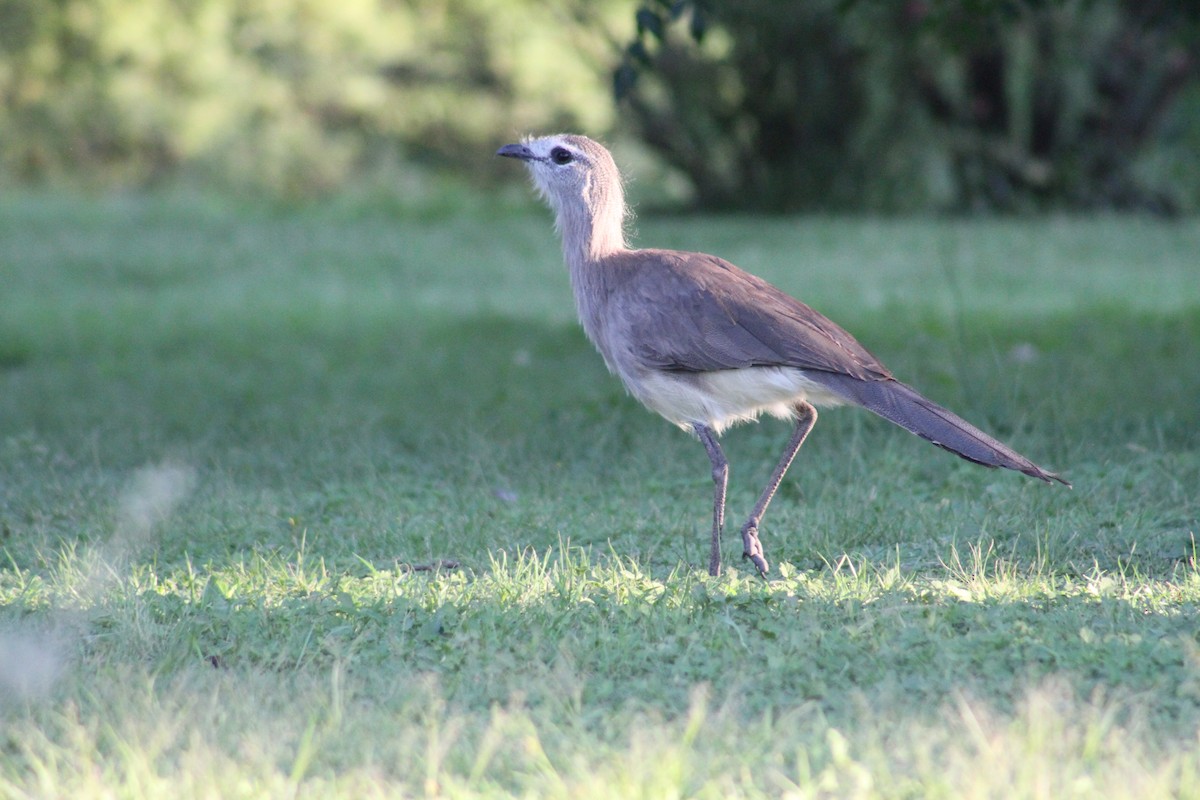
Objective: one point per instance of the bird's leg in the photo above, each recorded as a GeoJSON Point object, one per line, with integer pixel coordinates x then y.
{"type": "Point", "coordinates": [806, 417]}
{"type": "Point", "coordinates": [720, 476]}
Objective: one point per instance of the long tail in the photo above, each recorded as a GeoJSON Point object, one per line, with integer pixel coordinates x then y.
{"type": "Point", "coordinates": [902, 405]}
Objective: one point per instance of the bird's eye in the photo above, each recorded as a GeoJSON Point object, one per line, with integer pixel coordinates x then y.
{"type": "Point", "coordinates": [561, 155]}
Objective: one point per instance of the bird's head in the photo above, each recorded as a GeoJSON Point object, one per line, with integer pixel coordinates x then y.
{"type": "Point", "coordinates": [580, 181]}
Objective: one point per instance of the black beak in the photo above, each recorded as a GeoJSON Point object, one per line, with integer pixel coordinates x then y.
{"type": "Point", "coordinates": [517, 151]}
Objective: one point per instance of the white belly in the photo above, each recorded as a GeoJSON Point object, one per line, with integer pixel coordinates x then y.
{"type": "Point", "coordinates": [725, 397]}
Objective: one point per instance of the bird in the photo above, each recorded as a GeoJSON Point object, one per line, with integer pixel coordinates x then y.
{"type": "Point", "coordinates": [707, 345]}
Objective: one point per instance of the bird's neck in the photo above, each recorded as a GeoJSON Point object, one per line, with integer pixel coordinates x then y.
{"type": "Point", "coordinates": [594, 228]}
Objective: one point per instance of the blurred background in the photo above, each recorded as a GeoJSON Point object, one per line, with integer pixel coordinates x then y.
{"type": "Point", "coordinates": [896, 106]}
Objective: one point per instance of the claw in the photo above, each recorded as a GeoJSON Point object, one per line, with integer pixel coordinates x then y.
{"type": "Point", "coordinates": [759, 562]}
{"type": "Point", "coordinates": [752, 550]}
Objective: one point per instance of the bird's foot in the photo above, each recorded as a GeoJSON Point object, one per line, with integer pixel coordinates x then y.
{"type": "Point", "coordinates": [752, 549]}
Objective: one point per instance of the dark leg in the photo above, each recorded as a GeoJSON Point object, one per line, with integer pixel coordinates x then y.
{"type": "Point", "coordinates": [720, 476]}
{"type": "Point", "coordinates": [806, 417]}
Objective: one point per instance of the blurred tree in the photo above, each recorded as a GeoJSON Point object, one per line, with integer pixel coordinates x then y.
{"type": "Point", "coordinates": [292, 96]}
{"type": "Point", "coordinates": [778, 106]}
{"type": "Point", "coordinates": [824, 104]}
{"type": "Point", "coordinates": [828, 104]}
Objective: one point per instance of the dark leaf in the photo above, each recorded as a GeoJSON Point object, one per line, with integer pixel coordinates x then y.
{"type": "Point", "coordinates": [624, 78]}
{"type": "Point", "coordinates": [637, 51]}
{"type": "Point", "coordinates": [648, 20]}
{"type": "Point", "coordinates": [699, 25]}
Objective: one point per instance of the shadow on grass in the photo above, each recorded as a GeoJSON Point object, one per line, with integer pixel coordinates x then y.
{"type": "Point", "coordinates": [1095, 376]}
{"type": "Point", "coordinates": [1099, 375]}
{"type": "Point", "coordinates": [425, 423]}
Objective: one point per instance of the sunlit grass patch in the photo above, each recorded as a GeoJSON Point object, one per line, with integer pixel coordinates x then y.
{"type": "Point", "coordinates": [549, 724]}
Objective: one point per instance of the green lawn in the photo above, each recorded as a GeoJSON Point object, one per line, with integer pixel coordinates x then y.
{"type": "Point", "coordinates": [339, 502]}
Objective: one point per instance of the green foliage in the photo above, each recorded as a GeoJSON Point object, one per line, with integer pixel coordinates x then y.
{"type": "Point", "coordinates": [906, 106]}
{"type": "Point", "coordinates": [759, 105]}
{"type": "Point", "coordinates": [293, 97]}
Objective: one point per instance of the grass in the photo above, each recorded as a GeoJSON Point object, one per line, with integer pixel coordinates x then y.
{"type": "Point", "coordinates": [339, 502]}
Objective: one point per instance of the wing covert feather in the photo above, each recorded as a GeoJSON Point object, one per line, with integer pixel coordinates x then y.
{"type": "Point", "coordinates": [692, 312]}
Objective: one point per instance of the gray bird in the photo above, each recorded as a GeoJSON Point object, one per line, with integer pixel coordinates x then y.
{"type": "Point", "coordinates": [707, 345]}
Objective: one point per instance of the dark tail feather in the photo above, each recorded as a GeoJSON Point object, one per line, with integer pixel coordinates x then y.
{"type": "Point", "coordinates": [902, 405]}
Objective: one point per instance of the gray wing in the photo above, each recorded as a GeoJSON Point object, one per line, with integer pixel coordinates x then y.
{"type": "Point", "coordinates": [692, 312]}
